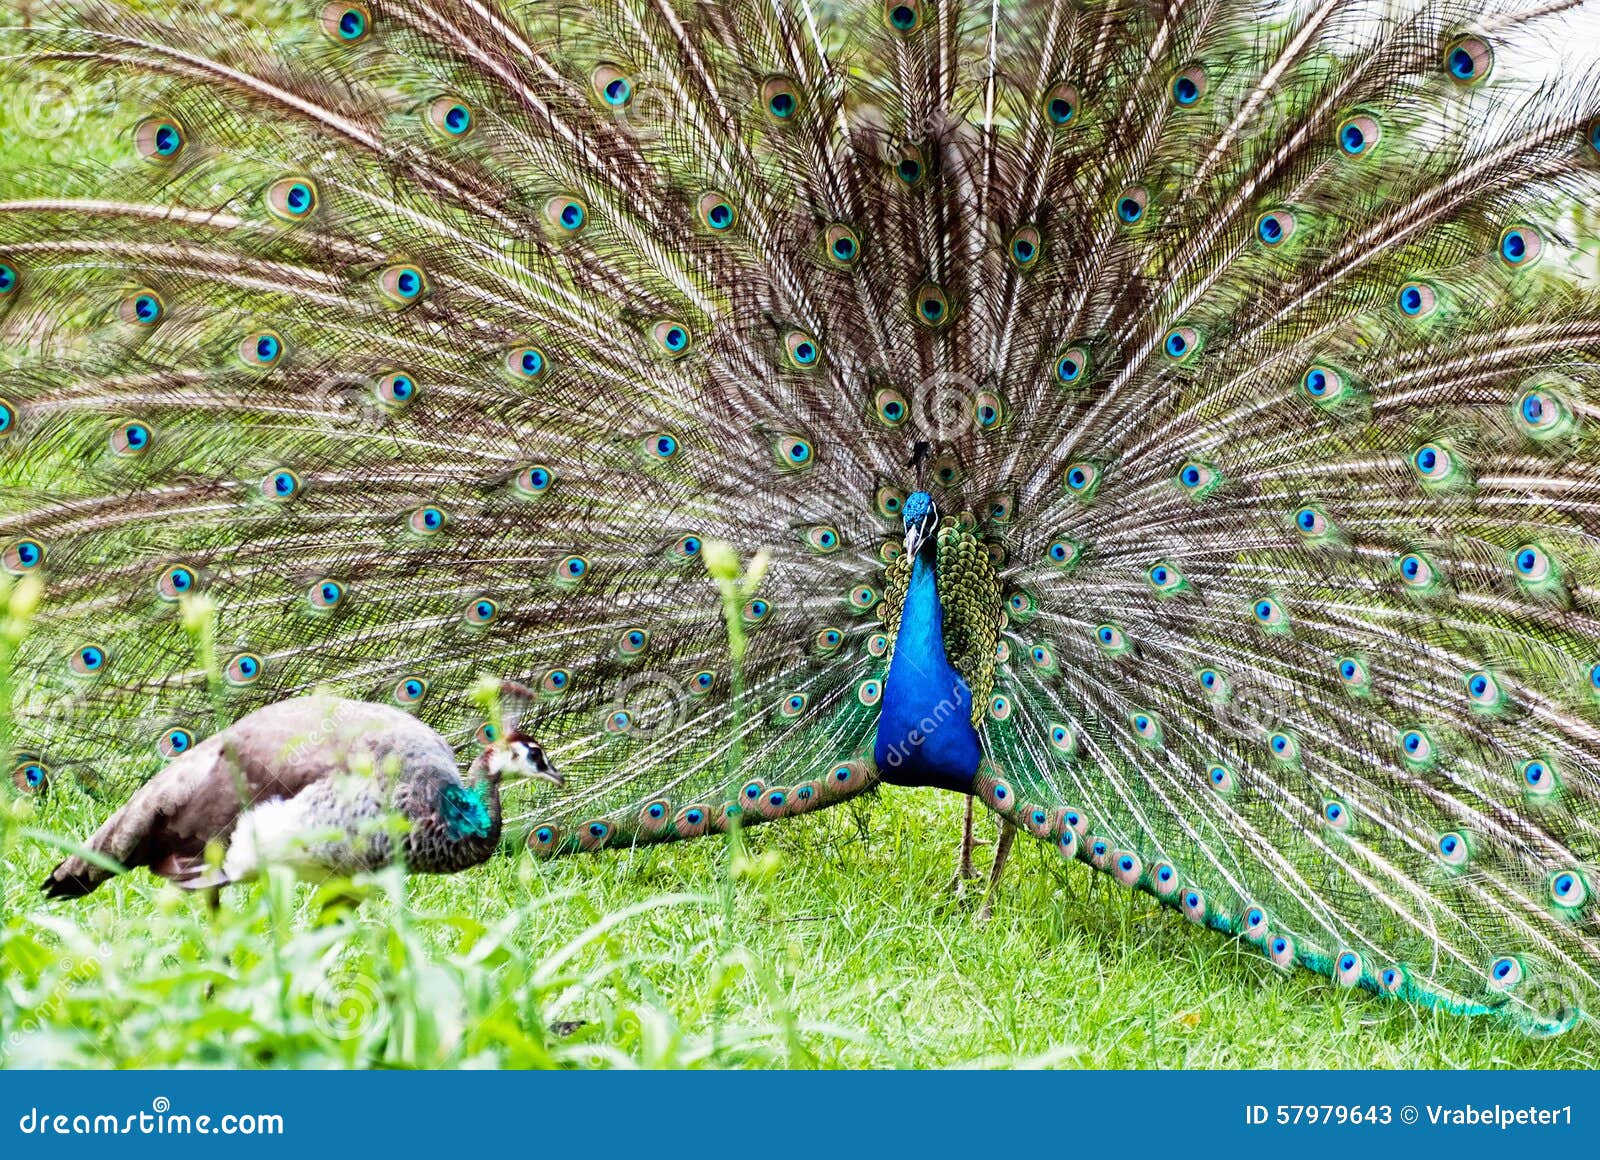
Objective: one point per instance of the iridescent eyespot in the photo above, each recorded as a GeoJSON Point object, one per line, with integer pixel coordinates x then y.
{"type": "Point", "coordinates": [947, 470]}
{"type": "Point", "coordinates": [30, 776]}
{"type": "Point", "coordinates": [1505, 973]}
{"type": "Point", "coordinates": [1347, 969]}
{"type": "Point", "coordinates": [261, 350]}
{"type": "Point", "coordinates": [1189, 86]}
{"type": "Point", "coordinates": [243, 669]}
{"type": "Point", "coordinates": [903, 16]}
{"type": "Point", "coordinates": [8, 418]}
{"type": "Point", "coordinates": [555, 682]}
{"type": "Point", "coordinates": [1358, 136]}
{"type": "Point", "coordinates": [1353, 674]}
{"type": "Point", "coordinates": [989, 409]}
{"type": "Point", "coordinates": [22, 556]}
{"type": "Point", "coordinates": [716, 212]}
{"type": "Point", "coordinates": [930, 306]}
{"type": "Point", "coordinates": [1164, 578]}
{"type": "Point", "coordinates": [823, 537]}
{"type": "Point", "coordinates": [1071, 365]}
{"type": "Point", "coordinates": [1432, 463]}
{"type": "Point", "coordinates": [1063, 740]}
{"type": "Point", "coordinates": [612, 86]}
{"type": "Point", "coordinates": [661, 445]}
{"type": "Point", "coordinates": [840, 245]}
{"type": "Point", "coordinates": [159, 138]}
{"type": "Point", "coordinates": [1021, 605]}
{"type": "Point", "coordinates": [1323, 385]}
{"type": "Point", "coordinates": [793, 705]}
{"type": "Point", "coordinates": [1180, 343]}
{"type": "Point", "coordinates": [1416, 747]}
{"type": "Point", "coordinates": [1063, 553]}
{"type": "Point", "coordinates": [527, 363]}
{"type": "Point", "coordinates": [1110, 637]}
{"type": "Point", "coordinates": [542, 839]}
{"type": "Point", "coordinates": [1520, 246]}
{"type": "Point", "coordinates": [700, 683]}
{"type": "Point", "coordinates": [9, 279]}
{"type": "Point", "coordinates": [890, 406]}
{"type": "Point", "coordinates": [325, 595]}
{"type": "Point", "coordinates": [281, 485]}
{"type": "Point", "coordinates": [910, 166]}
{"type": "Point", "coordinates": [409, 690]}
{"type": "Point", "coordinates": [567, 215]}
{"type": "Point", "coordinates": [757, 610]}
{"type": "Point", "coordinates": [481, 612]}
{"type": "Point", "coordinates": [143, 308]}
{"type": "Point", "coordinates": [1283, 746]}
{"type": "Point", "coordinates": [292, 199]}
{"type": "Point", "coordinates": [686, 547]}
{"type": "Point", "coordinates": [1591, 134]}
{"type": "Point", "coordinates": [1268, 613]}
{"type": "Point", "coordinates": [450, 117]}
{"type": "Point", "coordinates": [1215, 683]}
{"type": "Point", "coordinates": [534, 480]}
{"type": "Point", "coordinates": [1483, 689]}
{"type": "Point", "coordinates": [1416, 299]}
{"type": "Point", "coordinates": [1310, 522]}
{"type": "Point", "coordinates": [878, 645]}
{"type": "Point", "coordinates": [572, 569]}
{"type": "Point", "coordinates": [1337, 815]}
{"type": "Point", "coordinates": [1568, 889]}
{"type": "Point", "coordinates": [1000, 707]}
{"type": "Point", "coordinates": [1026, 246]}
{"type": "Point", "coordinates": [1082, 479]}
{"type": "Point", "coordinates": [1541, 413]}
{"type": "Point", "coordinates": [794, 452]}
{"type": "Point", "coordinates": [1392, 979]}
{"type": "Point", "coordinates": [345, 22]}
{"type": "Point", "coordinates": [1415, 570]}
{"type": "Point", "coordinates": [1532, 564]}
{"type": "Point", "coordinates": [88, 660]}
{"type": "Point", "coordinates": [1275, 227]}
{"type": "Point", "coordinates": [1198, 478]}
{"type": "Point", "coordinates": [1061, 104]}
{"type": "Point", "coordinates": [633, 642]}
{"type": "Point", "coordinates": [1594, 677]}
{"type": "Point", "coordinates": [1043, 657]}
{"type": "Point", "coordinates": [1146, 726]}
{"type": "Point", "coordinates": [863, 596]}
{"type": "Point", "coordinates": [1194, 905]}
{"type": "Point", "coordinates": [1538, 777]}
{"type": "Point", "coordinates": [1220, 778]}
{"type": "Point", "coordinates": [174, 742]}
{"type": "Point", "coordinates": [427, 521]}
{"type": "Point", "coordinates": [1126, 867]}
{"type": "Point", "coordinates": [1131, 205]}
{"type": "Point", "coordinates": [396, 389]}
{"type": "Point", "coordinates": [402, 284]}
{"type": "Point", "coordinates": [176, 581]}
{"type": "Point", "coordinates": [869, 692]}
{"type": "Point", "coordinates": [131, 438]}
{"type": "Point", "coordinates": [1468, 60]}
{"type": "Point", "coordinates": [1453, 849]}
{"type": "Point", "coordinates": [671, 338]}
{"type": "Point", "coordinates": [889, 501]}
{"type": "Point", "coordinates": [801, 350]}
{"type": "Point", "coordinates": [780, 100]}
{"type": "Point", "coordinates": [1280, 949]}
{"type": "Point", "coordinates": [1255, 923]}
{"type": "Point", "coordinates": [829, 639]}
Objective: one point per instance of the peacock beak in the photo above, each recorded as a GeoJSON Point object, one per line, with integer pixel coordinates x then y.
{"type": "Point", "coordinates": [917, 535]}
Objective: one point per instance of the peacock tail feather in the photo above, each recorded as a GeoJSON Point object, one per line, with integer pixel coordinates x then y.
{"type": "Point", "coordinates": [1252, 342]}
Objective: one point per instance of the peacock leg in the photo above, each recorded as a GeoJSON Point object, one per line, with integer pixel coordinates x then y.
{"type": "Point", "coordinates": [1002, 851]}
{"type": "Point", "coordinates": [964, 870]}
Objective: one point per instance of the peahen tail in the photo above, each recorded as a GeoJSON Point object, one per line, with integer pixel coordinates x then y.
{"type": "Point", "coordinates": [1254, 345]}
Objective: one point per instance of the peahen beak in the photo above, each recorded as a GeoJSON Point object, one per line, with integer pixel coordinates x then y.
{"type": "Point", "coordinates": [526, 760]}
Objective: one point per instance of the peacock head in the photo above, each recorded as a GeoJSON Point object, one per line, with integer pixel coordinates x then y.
{"type": "Point", "coordinates": [922, 521]}
{"type": "Point", "coordinates": [521, 758]}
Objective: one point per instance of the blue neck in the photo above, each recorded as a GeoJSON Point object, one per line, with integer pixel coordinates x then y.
{"type": "Point", "coordinates": [464, 809]}
{"type": "Point", "coordinates": [925, 733]}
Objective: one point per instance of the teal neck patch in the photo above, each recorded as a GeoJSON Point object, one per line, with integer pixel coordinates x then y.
{"type": "Point", "coordinates": [465, 812]}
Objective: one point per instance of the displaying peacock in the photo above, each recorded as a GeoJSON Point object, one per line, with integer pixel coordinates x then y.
{"type": "Point", "coordinates": [1171, 424]}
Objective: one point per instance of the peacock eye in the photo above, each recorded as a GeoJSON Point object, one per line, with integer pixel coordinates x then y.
{"type": "Point", "coordinates": [174, 742]}
{"type": "Point", "coordinates": [409, 690]}
{"type": "Point", "coordinates": [823, 537]}
{"type": "Point", "coordinates": [1568, 889]}
{"type": "Point", "coordinates": [1483, 689]}
{"type": "Point", "coordinates": [22, 556]}
{"type": "Point", "coordinates": [451, 117]}
{"type": "Point", "coordinates": [1337, 815]}
{"type": "Point", "coordinates": [930, 305]}
{"type": "Point", "coordinates": [801, 350]}
{"type": "Point", "coordinates": [427, 521]}
{"type": "Point", "coordinates": [1532, 564]}
{"type": "Point", "coordinates": [1541, 413]}
{"type": "Point", "coordinates": [403, 284]}
{"type": "Point", "coordinates": [890, 501]}
{"type": "Point", "coordinates": [1520, 246]}
{"type": "Point", "coordinates": [661, 445]}
{"type": "Point", "coordinates": [1189, 86]}
{"type": "Point", "coordinates": [1194, 906]}
{"type": "Point", "coordinates": [1323, 385]}
{"type": "Point", "coordinates": [794, 705]}
{"type": "Point", "coordinates": [794, 452]}
{"type": "Point", "coordinates": [1071, 365]}
{"type": "Point", "coordinates": [571, 570]}
{"type": "Point", "coordinates": [877, 645]}
{"type": "Point", "coordinates": [1358, 136]}
{"type": "Point", "coordinates": [527, 364]}
{"type": "Point", "coordinates": [1131, 205]}
{"type": "Point", "coordinates": [142, 308]}
{"type": "Point", "coordinates": [1164, 578]}
{"type": "Point", "coordinates": [612, 86]}
{"type": "Point", "coordinates": [716, 212]}
{"type": "Point", "coordinates": [1268, 613]}
{"type": "Point", "coordinates": [555, 681]}
{"type": "Point", "coordinates": [1353, 673]}
{"type": "Point", "coordinates": [292, 199]}
{"type": "Point", "coordinates": [1180, 343]}
{"type": "Point", "coordinates": [829, 639]}
{"type": "Point", "coordinates": [903, 16]}
{"type": "Point", "coordinates": [1110, 637]}
{"type": "Point", "coordinates": [1417, 299]}
{"type": "Point", "coordinates": [757, 610]}
{"type": "Point", "coordinates": [633, 641]}
{"type": "Point", "coordinates": [1214, 683]}
{"type": "Point", "coordinates": [534, 480]}
{"type": "Point", "coordinates": [687, 547]}
{"type": "Point", "coordinates": [1468, 60]}
{"type": "Point", "coordinates": [325, 594]}
{"type": "Point", "coordinates": [1310, 522]}
{"type": "Point", "coordinates": [1275, 227]}
{"type": "Point", "coordinates": [1062, 739]}
{"type": "Point", "coordinates": [345, 22]}
{"type": "Point", "coordinates": [281, 485]}
{"type": "Point", "coordinates": [910, 166]}
{"type": "Point", "coordinates": [863, 596]}
{"type": "Point", "coordinates": [131, 438]}
{"type": "Point", "coordinates": [1416, 747]}
{"type": "Point", "coordinates": [481, 612]}
{"type": "Point", "coordinates": [1026, 246]}
{"type": "Point", "coordinates": [261, 350]}
{"type": "Point", "coordinates": [671, 338]}
{"type": "Point", "coordinates": [1283, 746]}
{"type": "Point", "coordinates": [1539, 777]}
{"type": "Point", "coordinates": [1415, 571]}
{"type": "Point", "coordinates": [780, 100]}
{"type": "Point", "coordinates": [1433, 463]}
{"type": "Point", "coordinates": [700, 683]}
{"type": "Point", "coordinates": [567, 215]}
{"type": "Point", "coordinates": [1043, 657]}
{"type": "Point", "coordinates": [841, 246]}
{"type": "Point", "coordinates": [1220, 778]}
{"type": "Point", "coordinates": [1393, 979]}
{"type": "Point", "coordinates": [1255, 922]}
{"type": "Point", "coordinates": [243, 669]}
{"type": "Point", "coordinates": [1505, 973]}
{"type": "Point", "coordinates": [8, 418]}
{"type": "Point", "coordinates": [1145, 725]}
{"type": "Point", "coordinates": [890, 406]}
{"type": "Point", "coordinates": [9, 279]}
{"type": "Point", "coordinates": [989, 409]}
{"type": "Point", "coordinates": [1000, 710]}
{"type": "Point", "coordinates": [88, 660]}
{"type": "Point", "coordinates": [1347, 968]}
{"type": "Point", "coordinates": [1061, 104]}
{"type": "Point", "coordinates": [1063, 553]}
{"type": "Point", "coordinates": [1453, 849]}
{"type": "Point", "coordinates": [1198, 478]}
{"type": "Point", "coordinates": [1081, 479]}
{"type": "Point", "coordinates": [159, 139]}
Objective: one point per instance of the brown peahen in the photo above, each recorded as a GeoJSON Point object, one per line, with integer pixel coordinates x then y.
{"type": "Point", "coordinates": [1171, 424]}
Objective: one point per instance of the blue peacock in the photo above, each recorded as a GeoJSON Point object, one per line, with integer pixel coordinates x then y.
{"type": "Point", "coordinates": [1170, 425]}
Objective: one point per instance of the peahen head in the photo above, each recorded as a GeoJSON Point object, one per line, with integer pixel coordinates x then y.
{"type": "Point", "coordinates": [521, 758]}
{"type": "Point", "coordinates": [922, 521]}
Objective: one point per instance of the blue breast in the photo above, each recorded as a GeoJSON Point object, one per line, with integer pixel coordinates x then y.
{"type": "Point", "coordinates": [925, 733]}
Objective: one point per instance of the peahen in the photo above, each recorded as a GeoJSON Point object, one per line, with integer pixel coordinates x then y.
{"type": "Point", "coordinates": [1171, 424]}
{"type": "Point", "coordinates": [312, 783]}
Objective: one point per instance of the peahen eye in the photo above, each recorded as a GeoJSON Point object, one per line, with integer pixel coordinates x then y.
{"type": "Point", "coordinates": [903, 16]}
{"type": "Point", "coordinates": [612, 86]}
{"type": "Point", "coordinates": [131, 438]}
{"type": "Point", "coordinates": [159, 138]}
{"type": "Point", "coordinates": [174, 742]}
{"type": "Point", "coordinates": [409, 690]}
{"type": "Point", "coordinates": [1417, 299]}
{"type": "Point", "coordinates": [427, 521]}
{"type": "Point", "coordinates": [1181, 343]}
{"type": "Point", "coordinates": [281, 485]}
{"type": "Point", "coordinates": [1061, 104]}
{"type": "Point", "coordinates": [1274, 228]}
{"type": "Point", "coordinates": [1131, 205]}
{"type": "Point", "coordinates": [1468, 60]}
{"type": "Point", "coordinates": [345, 22]}
{"type": "Point", "coordinates": [403, 284]}
{"type": "Point", "coordinates": [527, 363]}
{"type": "Point", "coordinates": [22, 556]}
{"type": "Point", "coordinates": [780, 100]}
{"type": "Point", "coordinates": [841, 246]}
{"type": "Point", "coordinates": [1532, 565]}
{"type": "Point", "coordinates": [534, 480]}
{"type": "Point", "coordinates": [671, 338]}
{"type": "Point", "coordinates": [263, 349]}
{"type": "Point", "coordinates": [716, 212]}
{"type": "Point", "coordinates": [567, 215]}
{"type": "Point", "coordinates": [801, 350]}
{"type": "Point", "coordinates": [930, 306]}
{"type": "Point", "coordinates": [1189, 86]}
{"type": "Point", "coordinates": [1358, 136]}
{"type": "Point", "coordinates": [396, 389]}
{"type": "Point", "coordinates": [143, 309]}
{"type": "Point", "coordinates": [1520, 246]}
{"type": "Point", "coordinates": [1026, 246]}
{"type": "Point", "coordinates": [292, 199]}
{"type": "Point", "coordinates": [243, 669]}
{"type": "Point", "coordinates": [325, 595]}
{"type": "Point", "coordinates": [1071, 365]}
{"type": "Point", "coordinates": [450, 117]}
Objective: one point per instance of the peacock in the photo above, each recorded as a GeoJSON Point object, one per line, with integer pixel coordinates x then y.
{"type": "Point", "coordinates": [312, 783]}
{"type": "Point", "coordinates": [1168, 423]}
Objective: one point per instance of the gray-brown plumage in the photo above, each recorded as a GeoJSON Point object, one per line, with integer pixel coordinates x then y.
{"type": "Point", "coordinates": [312, 782]}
